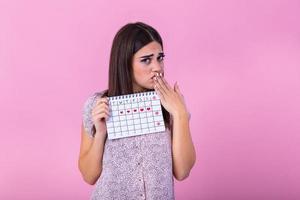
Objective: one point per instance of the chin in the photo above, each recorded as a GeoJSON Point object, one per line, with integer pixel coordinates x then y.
{"type": "Point", "coordinates": [147, 88]}
{"type": "Point", "coordinates": [151, 87]}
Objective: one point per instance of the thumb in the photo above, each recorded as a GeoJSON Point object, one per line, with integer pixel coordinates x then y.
{"type": "Point", "coordinates": [176, 88]}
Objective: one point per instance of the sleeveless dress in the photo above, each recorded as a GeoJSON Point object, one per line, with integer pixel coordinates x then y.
{"type": "Point", "coordinates": [137, 167]}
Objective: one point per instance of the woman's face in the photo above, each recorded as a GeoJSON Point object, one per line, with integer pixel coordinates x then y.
{"type": "Point", "coordinates": [146, 63]}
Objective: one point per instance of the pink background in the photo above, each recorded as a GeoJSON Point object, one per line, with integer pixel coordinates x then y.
{"type": "Point", "coordinates": [237, 63]}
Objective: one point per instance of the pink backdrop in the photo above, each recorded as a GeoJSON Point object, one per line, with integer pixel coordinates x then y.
{"type": "Point", "coordinates": [237, 63]}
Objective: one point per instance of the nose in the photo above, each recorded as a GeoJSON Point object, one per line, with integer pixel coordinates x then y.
{"type": "Point", "coordinates": [158, 67]}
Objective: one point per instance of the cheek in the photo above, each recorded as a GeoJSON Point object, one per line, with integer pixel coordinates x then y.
{"type": "Point", "coordinates": [140, 72]}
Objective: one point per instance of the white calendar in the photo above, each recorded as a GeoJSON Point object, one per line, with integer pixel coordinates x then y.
{"type": "Point", "coordinates": [134, 114]}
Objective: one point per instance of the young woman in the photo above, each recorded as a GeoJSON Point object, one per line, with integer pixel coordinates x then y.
{"type": "Point", "coordinates": [138, 167]}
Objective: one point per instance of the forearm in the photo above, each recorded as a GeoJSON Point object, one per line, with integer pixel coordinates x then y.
{"type": "Point", "coordinates": [90, 164]}
{"type": "Point", "coordinates": [184, 155]}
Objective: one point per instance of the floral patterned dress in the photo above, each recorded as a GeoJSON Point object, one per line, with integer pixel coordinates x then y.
{"type": "Point", "coordinates": [138, 167]}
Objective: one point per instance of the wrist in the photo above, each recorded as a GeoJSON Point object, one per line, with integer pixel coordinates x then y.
{"type": "Point", "coordinates": [100, 135]}
{"type": "Point", "coordinates": [181, 114]}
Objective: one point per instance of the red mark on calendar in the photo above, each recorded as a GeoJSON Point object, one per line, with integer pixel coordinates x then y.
{"type": "Point", "coordinates": [145, 106]}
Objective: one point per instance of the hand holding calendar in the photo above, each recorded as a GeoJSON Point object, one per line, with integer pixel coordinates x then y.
{"type": "Point", "coordinates": [99, 114]}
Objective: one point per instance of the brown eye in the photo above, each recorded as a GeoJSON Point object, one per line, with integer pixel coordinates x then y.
{"type": "Point", "coordinates": [160, 58]}
{"type": "Point", "coordinates": [146, 60]}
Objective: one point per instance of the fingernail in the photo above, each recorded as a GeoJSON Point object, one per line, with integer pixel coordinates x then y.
{"type": "Point", "coordinates": [160, 74]}
{"type": "Point", "coordinates": [157, 74]}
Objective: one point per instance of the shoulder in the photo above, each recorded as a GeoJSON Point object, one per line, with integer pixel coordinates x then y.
{"type": "Point", "coordinates": [92, 98]}
{"type": "Point", "coordinates": [89, 103]}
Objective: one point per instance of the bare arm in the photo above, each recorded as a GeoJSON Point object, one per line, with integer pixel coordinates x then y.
{"type": "Point", "coordinates": [184, 155]}
{"type": "Point", "coordinates": [90, 158]}
{"type": "Point", "coordinates": [92, 148]}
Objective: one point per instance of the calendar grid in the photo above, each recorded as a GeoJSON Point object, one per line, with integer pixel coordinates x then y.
{"type": "Point", "coordinates": [134, 114]}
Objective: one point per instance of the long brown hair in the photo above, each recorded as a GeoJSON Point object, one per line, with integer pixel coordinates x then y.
{"type": "Point", "coordinates": [128, 40]}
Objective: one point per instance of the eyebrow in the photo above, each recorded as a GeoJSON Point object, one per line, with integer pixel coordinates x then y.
{"type": "Point", "coordinates": [150, 55]}
{"type": "Point", "coordinates": [147, 56]}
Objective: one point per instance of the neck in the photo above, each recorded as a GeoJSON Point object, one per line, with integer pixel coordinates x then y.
{"type": "Point", "coordinates": [137, 89]}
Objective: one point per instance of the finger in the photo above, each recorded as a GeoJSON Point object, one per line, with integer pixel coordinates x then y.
{"type": "Point", "coordinates": [101, 116]}
{"type": "Point", "coordinates": [161, 83]}
{"type": "Point", "coordinates": [159, 86]}
{"type": "Point", "coordinates": [101, 110]}
{"type": "Point", "coordinates": [97, 112]}
{"type": "Point", "coordinates": [165, 86]}
{"type": "Point", "coordinates": [164, 81]}
{"type": "Point", "coordinates": [102, 100]}
{"type": "Point", "coordinates": [160, 94]}
{"type": "Point", "coordinates": [101, 106]}
{"type": "Point", "coordinates": [176, 88]}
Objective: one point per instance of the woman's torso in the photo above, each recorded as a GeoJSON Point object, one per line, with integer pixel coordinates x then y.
{"type": "Point", "coordinates": [138, 167]}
